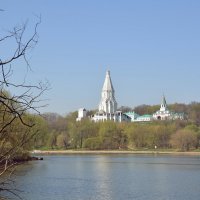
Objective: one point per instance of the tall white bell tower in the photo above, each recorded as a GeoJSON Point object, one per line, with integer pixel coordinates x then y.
{"type": "Point", "coordinates": [108, 103]}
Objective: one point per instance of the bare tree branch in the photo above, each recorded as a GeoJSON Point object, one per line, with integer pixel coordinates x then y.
{"type": "Point", "coordinates": [15, 125]}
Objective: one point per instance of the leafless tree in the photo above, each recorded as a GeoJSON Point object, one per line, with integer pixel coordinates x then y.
{"type": "Point", "coordinates": [15, 107]}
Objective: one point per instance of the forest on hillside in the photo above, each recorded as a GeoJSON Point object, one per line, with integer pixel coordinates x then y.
{"type": "Point", "coordinates": [58, 132]}
{"type": "Point", "coordinates": [55, 132]}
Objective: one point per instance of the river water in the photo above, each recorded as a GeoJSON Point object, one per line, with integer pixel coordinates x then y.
{"type": "Point", "coordinates": [111, 177]}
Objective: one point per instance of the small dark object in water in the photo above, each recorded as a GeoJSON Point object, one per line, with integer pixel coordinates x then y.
{"type": "Point", "coordinates": [37, 158]}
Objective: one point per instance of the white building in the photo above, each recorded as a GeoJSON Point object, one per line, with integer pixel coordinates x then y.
{"type": "Point", "coordinates": [144, 118]}
{"type": "Point", "coordinates": [165, 114]}
{"type": "Point", "coordinates": [82, 113]}
{"type": "Point", "coordinates": [139, 118]}
{"type": "Point", "coordinates": [108, 104]}
{"type": "Point", "coordinates": [108, 108]}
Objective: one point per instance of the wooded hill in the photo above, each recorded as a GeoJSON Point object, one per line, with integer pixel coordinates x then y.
{"type": "Point", "coordinates": [60, 132]}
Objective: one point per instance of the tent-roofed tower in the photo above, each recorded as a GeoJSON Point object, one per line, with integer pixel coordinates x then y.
{"type": "Point", "coordinates": [163, 106]}
{"type": "Point", "coordinates": [108, 103]}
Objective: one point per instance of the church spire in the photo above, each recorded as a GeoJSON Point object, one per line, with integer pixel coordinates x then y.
{"type": "Point", "coordinates": [108, 103]}
{"type": "Point", "coordinates": [163, 106]}
{"type": "Point", "coordinates": [107, 86]}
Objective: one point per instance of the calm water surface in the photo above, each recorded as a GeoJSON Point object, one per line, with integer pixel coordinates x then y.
{"type": "Point", "coordinates": [111, 177]}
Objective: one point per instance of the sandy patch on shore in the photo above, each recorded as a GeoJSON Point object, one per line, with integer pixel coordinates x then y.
{"type": "Point", "coordinates": [191, 153]}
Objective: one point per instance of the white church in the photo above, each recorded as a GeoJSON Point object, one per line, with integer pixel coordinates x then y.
{"type": "Point", "coordinates": [165, 114]}
{"type": "Point", "coordinates": [108, 109]}
{"type": "Point", "coordinates": [107, 106]}
{"type": "Point", "coordinates": [162, 114]}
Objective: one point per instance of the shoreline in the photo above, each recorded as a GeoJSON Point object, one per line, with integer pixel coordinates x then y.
{"type": "Point", "coordinates": [57, 152]}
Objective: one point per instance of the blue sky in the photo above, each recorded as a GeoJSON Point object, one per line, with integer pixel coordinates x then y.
{"type": "Point", "coordinates": [151, 47]}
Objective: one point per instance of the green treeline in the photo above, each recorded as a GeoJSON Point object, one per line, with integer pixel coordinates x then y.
{"type": "Point", "coordinates": [59, 132]}
{"type": "Point", "coordinates": [18, 130]}
{"type": "Point", "coordinates": [52, 131]}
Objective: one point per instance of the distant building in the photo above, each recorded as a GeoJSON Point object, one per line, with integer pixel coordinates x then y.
{"type": "Point", "coordinates": [108, 109]}
{"type": "Point", "coordinates": [108, 104]}
{"type": "Point", "coordinates": [165, 114]}
{"type": "Point", "coordinates": [132, 115]}
{"type": "Point", "coordinates": [144, 118]}
{"type": "Point", "coordinates": [139, 118]}
{"type": "Point", "coordinates": [82, 113]}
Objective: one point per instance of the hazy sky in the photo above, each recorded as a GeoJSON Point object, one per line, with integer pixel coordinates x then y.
{"type": "Point", "coordinates": [151, 47]}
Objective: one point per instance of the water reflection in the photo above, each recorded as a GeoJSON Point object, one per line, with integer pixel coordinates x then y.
{"type": "Point", "coordinates": [103, 181]}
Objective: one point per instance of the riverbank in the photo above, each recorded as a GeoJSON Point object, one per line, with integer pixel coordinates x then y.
{"type": "Point", "coordinates": [54, 152]}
